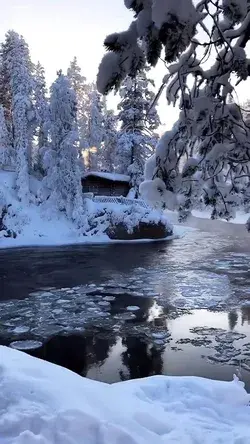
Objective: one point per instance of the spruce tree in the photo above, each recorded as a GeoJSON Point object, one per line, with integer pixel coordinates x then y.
{"type": "Point", "coordinates": [82, 90]}
{"type": "Point", "coordinates": [63, 177]}
{"type": "Point", "coordinates": [5, 148]}
{"type": "Point", "coordinates": [42, 116]}
{"type": "Point", "coordinates": [16, 63]}
{"type": "Point", "coordinates": [95, 130]}
{"type": "Point", "coordinates": [107, 157]}
{"type": "Point", "coordinates": [137, 137]}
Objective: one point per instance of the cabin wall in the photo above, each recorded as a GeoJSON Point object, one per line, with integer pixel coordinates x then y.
{"type": "Point", "coordinates": [104, 187]}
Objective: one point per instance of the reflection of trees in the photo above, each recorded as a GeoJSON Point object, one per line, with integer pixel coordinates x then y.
{"type": "Point", "coordinates": [67, 351]}
{"type": "Point", "coordinates": [245, 315]}
{"type": "Point", "coordinates": [77, 352]}
{"type": "Point", "coordinates": [141, 359]}
{"type": "Point", "coordinates": [232, 319]}
{"type": "Point", "coordinates": [97, 350]}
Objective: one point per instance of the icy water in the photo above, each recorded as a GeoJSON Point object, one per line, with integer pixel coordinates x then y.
{"type": "Point", "coordinates": [123, 311]}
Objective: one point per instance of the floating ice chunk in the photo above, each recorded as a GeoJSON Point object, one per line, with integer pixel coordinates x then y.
{"type": "Point", "coordinates": [47, 330]}
{"type": "Point", "coordinates": [133, 308]}
{"type": "Point", "coordinates": [35, 293]}
{"type": "Point", "coordinates": [109, 298]}
{"type": "Point", "coordinates": [229, 337]}
{"type": "Point", "coordinates": [118, 291]}
{"type": "Point", "coordinates": [57, 311]}
{"type": "Point", "coordinates": [104, 303]}
{"type": "Point", "coordinates": [26, 345]}
{"type": "Point", "coordinates": [10, 322]}
{"type": "Point", "coordinates": [45, 304]}
{"type": "Point", "coordinates": [90, 303]}
{"type": "Point", "coordinates": [20, 330]}
{"type": "Point", "coordinates": [160, 335]}
{"type": "Point", "coordinates": [46, 294]}
{"type": "Point", "coordinates": [70, 291]}
{"type": "Point", "coordinates": [125, 316]}
{"type": "Point", "coordinates": [159, 342]}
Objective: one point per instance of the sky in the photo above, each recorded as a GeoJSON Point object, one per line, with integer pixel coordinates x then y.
{"type": "Point", "coordinates": [58, 30]}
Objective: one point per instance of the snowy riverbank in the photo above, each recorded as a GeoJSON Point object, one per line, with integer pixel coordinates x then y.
{"type": "Point", "coordinates": [47, 404]}
{"type": "Point", "coordinates": [38, 224]}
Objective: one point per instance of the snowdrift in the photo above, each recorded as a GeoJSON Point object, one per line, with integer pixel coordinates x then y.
{"type": "Point", "coordinates": [40, 223]}
{"type": "Point", "coordinates": [46, 404]}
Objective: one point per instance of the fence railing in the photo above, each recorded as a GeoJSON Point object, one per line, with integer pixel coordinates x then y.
{"type": "Point", "coordinates": [121, 201]}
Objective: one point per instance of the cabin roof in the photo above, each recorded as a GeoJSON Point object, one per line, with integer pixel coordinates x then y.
{"type": "Point", "coordinates": [114, 177]}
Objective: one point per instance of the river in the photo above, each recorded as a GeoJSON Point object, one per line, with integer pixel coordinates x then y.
{"type": "Point", "coordinates": [119, 311]}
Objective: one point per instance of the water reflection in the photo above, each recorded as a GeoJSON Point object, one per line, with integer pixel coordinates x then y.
{"type": "Point", "coordinates": [232, 319]}
{"type": "Point", "coordinates": [140, 359]}
{"type": "Point", "coordinates": [245, 315]}
{"type": "Point", "coordinates": [202, 343]}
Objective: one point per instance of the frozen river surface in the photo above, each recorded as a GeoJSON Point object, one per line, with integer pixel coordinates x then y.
{"type": "Point", "coordinates": [123, 311]}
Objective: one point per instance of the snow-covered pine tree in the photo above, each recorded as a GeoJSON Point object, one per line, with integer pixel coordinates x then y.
{"type": "Point", "coordinates": [5, 148]}
{"type": "Point", "coordinates": [210, 134]}
{"type": "Point", "coordinates": [107, 155]}
{"type": "Point", "coordinates": [63, 177]}
{"type": "Point", "coordinates": [5, 92]}
{"type": "Point", "coordinates": [77, 80]}
{"type": "Point", "coordinates": [42, 116]}
{"type": "Point", "coordinates": [137, 137]}
{"type": "Point", "coordinates": [82, 91]}
{"type": "Point", "coordinates": [95, 130]}
{"type": "Point", "coordinates": [17, 66]}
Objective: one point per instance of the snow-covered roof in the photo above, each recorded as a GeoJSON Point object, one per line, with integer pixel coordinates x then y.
{"type": "Point", "coordinates": [110, 176]}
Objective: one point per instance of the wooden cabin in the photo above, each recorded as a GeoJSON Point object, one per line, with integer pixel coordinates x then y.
{"type": "Point", "coordinates": [105, 184]}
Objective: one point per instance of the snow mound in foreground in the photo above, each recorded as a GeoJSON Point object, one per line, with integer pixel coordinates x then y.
{"type": "Point", "coordinates": [46, 404]}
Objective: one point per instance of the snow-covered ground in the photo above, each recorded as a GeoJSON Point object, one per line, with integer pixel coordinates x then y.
{"type": "Point", "coordinates": [39, 225]}
{"type": "Point", "coordinates": [46, 404]}
{"type": "Point", "coordinates": [240, 218]}
{"type": "Point", "coordinates": [31, 223]}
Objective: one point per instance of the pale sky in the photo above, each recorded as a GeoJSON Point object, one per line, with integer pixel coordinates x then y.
{"type": "Point", "coordinates": [57, 30]}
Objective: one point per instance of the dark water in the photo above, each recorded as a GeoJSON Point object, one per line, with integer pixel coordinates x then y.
{"type": "Point", "coordinates": [189, 300]}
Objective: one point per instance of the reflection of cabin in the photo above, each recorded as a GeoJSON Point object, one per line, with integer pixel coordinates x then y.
{"type": "Point", "coordinates": [105, 184]}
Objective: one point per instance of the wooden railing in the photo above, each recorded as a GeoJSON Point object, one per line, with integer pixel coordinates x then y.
{"type": "Point", "coordinates": [121, 201]}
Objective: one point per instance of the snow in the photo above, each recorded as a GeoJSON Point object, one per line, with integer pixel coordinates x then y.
{"type": "Point", "coordinates": [109, 71]}
{"type": "Point", "coordinates": [183, 9]}
{"type": "Point", "coordinates": [43, 403]}
{"type": "Point", "coordinates": [240, 217]}
{"type": "Point", "coordinates": [42, 224]}
{"type": "Point", "coordinates": [154, 192]}
{"type": "Point", "coordinates": [109, 176]}
{"type": "Point", "coordinates": [150, 167]}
